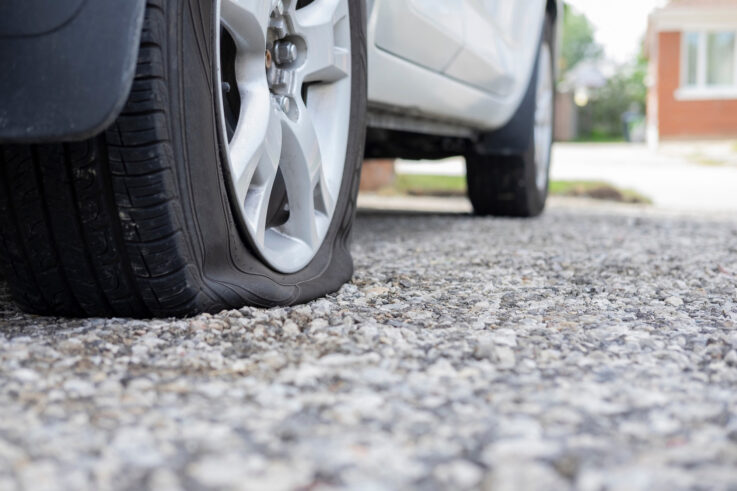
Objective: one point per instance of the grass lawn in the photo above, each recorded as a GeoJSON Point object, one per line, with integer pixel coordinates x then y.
{"type": "Point", "coordinates": [597, 190]}
{"type": "Point", "coordinates": [599, 137]}
{"type": "Point", "coordinates": [424, 185]}
{"type": "Point", "coordinates": [429, 185]}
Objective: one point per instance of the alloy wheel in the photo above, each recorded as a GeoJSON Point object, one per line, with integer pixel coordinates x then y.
{"type": "Point", "coordinates": [543, 117]}
{"type": "Point", "coordinates": [284, 107]}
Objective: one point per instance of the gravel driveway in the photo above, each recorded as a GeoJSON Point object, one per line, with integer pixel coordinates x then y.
{"type": "Point", "coordinates": [587, 349]}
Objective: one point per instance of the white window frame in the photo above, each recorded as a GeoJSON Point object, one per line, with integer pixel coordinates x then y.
{"type": "Point", "coordinates": [703, 91]}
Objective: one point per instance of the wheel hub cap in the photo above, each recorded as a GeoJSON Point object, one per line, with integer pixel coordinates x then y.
{"type": "Point", "coordinates": [284, 121]}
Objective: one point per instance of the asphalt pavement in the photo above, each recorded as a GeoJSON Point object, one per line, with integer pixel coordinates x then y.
{"type": "Point", "coordinates": [594, 348]}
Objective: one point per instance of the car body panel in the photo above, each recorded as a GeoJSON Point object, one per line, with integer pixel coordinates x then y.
{"type": "Point", "coordinates": [438, 23]}
{"type": "Point", "coordinates": [482, 85]}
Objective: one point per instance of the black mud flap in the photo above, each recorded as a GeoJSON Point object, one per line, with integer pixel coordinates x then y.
{"type": "Point", "coordinates": [67, 66]}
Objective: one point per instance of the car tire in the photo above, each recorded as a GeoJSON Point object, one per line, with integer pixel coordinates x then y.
{"type": "Point", "coordinates": [504, 183]}
{"type": "Point", "coordinates": [145, 220]}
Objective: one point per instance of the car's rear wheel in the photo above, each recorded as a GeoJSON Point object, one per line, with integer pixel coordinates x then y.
{"type": "Point", "coordinates": [516, 183]}
{"type": "Point", "coordinates": [230, 178]}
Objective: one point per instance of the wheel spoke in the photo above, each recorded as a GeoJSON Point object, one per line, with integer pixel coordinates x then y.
{"type": "Point", "coordinates": [326, 202]}
{"type": "Point", "coordinates": [247, 145]}
{"type": "Point", "coordinates": [301, 146]}
{"type": "Point", "coordinates": [302, 174]}
{"type": "Point", "coordinates": [327, 60]}
{"type": "Point", "coordinates": [543, 130]}
{"type": "Point", "coordinates": [544, 111]}
{"type": "Point", "coordinates": [544, 105]}
{"type": "Point", "coordinates": [247, 21]}
{"type": "Point", "coordinates": [255, 153]}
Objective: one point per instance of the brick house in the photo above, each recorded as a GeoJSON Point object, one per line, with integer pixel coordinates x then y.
{"type": "Point", "coordinates": [692, 49]}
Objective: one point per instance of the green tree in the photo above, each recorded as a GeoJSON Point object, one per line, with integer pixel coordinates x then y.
{"type": "Point", "coordinates": [577, 43]}
{"type": "Point", "coordinates": [624, 91]}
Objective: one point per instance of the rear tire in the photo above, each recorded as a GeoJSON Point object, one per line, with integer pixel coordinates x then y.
{"type": "Point", "coordinates": [516, 184]}
{"type": "Point", "coordinates": [140, 221]}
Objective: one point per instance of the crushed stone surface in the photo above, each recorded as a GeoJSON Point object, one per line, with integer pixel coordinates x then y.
{"type": "Point", "coordinates": [582, 350]}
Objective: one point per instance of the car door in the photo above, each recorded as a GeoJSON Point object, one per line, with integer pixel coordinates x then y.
{"type": "Point", "coordinates": [464, 61]}
{"type": "Point", "coordinates": [479, 42]}
{"type": "Point", "coordinates": [426, 32]}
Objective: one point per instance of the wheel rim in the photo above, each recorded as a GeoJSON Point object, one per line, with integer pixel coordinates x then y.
{"type": "Point", "coordinates": [284, 110]}
{"type": "Point", "coordinates": [543, 117]}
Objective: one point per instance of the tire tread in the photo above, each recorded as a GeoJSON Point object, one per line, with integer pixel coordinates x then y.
{"type": "Point", "coordinates": [93, 228]}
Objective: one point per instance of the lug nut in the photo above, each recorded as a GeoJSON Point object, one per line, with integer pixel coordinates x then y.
{"type": "Point", "coordinates": [279, 27]}
{"type": "Point", "coordinates": [285, 52]}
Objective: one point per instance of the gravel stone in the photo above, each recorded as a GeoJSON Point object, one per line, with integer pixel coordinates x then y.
{"type": "Point", "coordinates": [589, 349]}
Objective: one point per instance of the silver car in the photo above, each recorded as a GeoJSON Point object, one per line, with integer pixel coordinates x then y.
{"type": "Point", "coordinates": [169, 157]}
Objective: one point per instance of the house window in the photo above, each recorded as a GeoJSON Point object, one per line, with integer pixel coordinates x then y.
{"type": "Point", "coordinates": [691, 48]}
{"type": "Point", "coordinates": [709, 66]}
{"type": "Point", "coordinates": [720, 58]}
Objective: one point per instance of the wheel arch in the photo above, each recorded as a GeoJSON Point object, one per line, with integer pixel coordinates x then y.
{"type": "Point", "coordinates": [513, 138]}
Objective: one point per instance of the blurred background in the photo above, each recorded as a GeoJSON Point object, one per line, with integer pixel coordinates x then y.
{"type": "Point", "coordinates": [646, 112]}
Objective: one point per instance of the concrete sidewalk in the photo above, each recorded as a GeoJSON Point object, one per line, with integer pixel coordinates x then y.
{"type": "Point", "coordinates": [668, 178]}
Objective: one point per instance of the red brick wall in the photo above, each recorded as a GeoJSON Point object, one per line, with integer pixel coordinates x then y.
{"type": "Point", "coordinates": [687, 119]}
{"type": "Point", "coordinates": [376, 174]}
